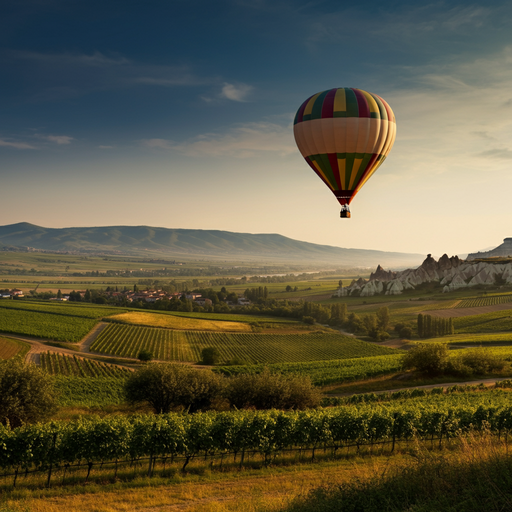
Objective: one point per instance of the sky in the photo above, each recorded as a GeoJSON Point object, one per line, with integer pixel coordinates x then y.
{"type": "Point", "coordinates": [179, 114]}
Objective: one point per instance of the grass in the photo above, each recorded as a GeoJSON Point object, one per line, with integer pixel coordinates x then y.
{"type": "Point", "coordinates": [488, 322]}
{"type": "Point", "coordinates": [179, 322]}
{"type": "Point", "coordinates": [10, 348]}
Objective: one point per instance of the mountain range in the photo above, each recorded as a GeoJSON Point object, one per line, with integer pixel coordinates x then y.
{"type": "Point", "coordinates": [193, 243]}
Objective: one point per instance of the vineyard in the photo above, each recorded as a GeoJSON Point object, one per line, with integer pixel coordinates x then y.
{"type": "Point", "coordinates": [59, 364]}
{"type": "Point", "coordinates": [10, 348]}
{"type": "Point", "coordinates": [168, 345]}
{"type": "Point", "coordinates": [45, 325]}
{"type": "Point", "coordinates": [484, 301]}
{"type": "Point", "coordinates": [65, 309]}
{"type": "Point", "coordinates": [91, 392]}
{"type": "Point", "coordinates": [178, 438]}
{"type": "Point", "coordinates": [488, 322]}
{"type": "Point", "coordinates": [323, 373]}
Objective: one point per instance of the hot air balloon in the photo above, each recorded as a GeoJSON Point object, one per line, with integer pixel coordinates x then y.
{"type": "Point", "coordinates": [344, 134]}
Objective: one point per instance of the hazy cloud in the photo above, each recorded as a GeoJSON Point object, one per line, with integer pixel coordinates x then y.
{"type": "Point", "coordinates": [243, 141]}
{"type": "Point", "coordinates": [15, 144]}
{"type": "Point", "coordinates": [58, 139]}
{"type": "Point", "coordinates": [500, 153]}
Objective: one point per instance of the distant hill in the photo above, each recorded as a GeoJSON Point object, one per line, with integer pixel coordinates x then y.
{"type": "Point", "coordinates": [503, 250]}
{"type": "Point", "coordinates": [197, 243]}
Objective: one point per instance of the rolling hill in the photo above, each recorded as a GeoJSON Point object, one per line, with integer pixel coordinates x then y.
{"type": "Point", "coordinates": [179, 243]}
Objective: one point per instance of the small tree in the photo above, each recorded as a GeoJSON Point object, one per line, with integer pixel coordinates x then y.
{"type": "Point", "coordinates": [210, 356]}
{"type": "Point", "coordinates": [27, 394]}
{"type": "Point", "coordinates": [145, 355]}
{"type": "Point", "coordinates": [383, 318]}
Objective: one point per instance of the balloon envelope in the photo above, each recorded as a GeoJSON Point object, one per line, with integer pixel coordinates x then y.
{"type": "Point", "coordinates": [344, 134]}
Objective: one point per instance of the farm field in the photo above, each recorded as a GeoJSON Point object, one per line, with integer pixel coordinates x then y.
{"type": "Point", "coordinates": [10, 348]}
{"type": "Point", "coordinates": [179, 322]}
{"type": "Point", "coordinates": [476, 339]}
{"type": "Point", "coordinates": [59, 364]}
{"type": "Point", "coordinates": [169, 345]}
{"type": "Point", "coordinates": [323, 373]}
{"type": "Point", "coordinates": [484, 301]}
{"type": "Point", "coordinates": [90, 392]}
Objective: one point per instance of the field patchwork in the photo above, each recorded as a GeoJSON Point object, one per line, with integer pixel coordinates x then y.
{"type": "Point", "coordinates": [169, 345]}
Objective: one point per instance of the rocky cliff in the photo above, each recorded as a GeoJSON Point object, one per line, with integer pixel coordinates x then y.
{"type": "Point", "coordinates": [503, 250]}
{"type": "Point", "coordinates": [451, 273]}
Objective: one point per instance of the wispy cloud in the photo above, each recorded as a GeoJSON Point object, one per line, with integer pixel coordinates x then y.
{"type": "Point", "coordinates": [57, 139]}
{"type": "Point", "coordinates": [16, 144]}
{"type": "Point", "coordinates": [238, 92]}
{"type": "Point", "coordinates": [58, 76]}
{"type": "Point", "coordinates": [243, 141]}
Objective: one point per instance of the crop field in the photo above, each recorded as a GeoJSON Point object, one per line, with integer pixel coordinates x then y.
{"type": "Point", "coordinates": [476, 339]}
{"type": "Point", "coordinates": [323, 373]}
{"type": "Point", "coordinates": [484, 301]}
{"type": "Point", "coordinates": [91, 392]}
{"type": "Point", "coordinates": [57, 327]}
{"type": "Point", "coordinates": [226, 317]}
{"type": "Point", "coordinates": [59, 364]}
{"type": "Point", "coordinates": [169, 345]}
{"type": "Point", "coordinates": [66, 309]}
{"type": "Point", "coordinates": [179, 322]}
{"type": "Point", "coordinates": [496, 321]}
{"type": "Point", "coordinates": [10, 348]}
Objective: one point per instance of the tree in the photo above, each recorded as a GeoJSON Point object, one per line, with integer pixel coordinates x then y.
{"type": "Point", "coordinates": [383, 318]}
{"type": "Point", "coordinates": [210, 355]}
{"type": "Point", "coordinates": [169, 385]}
{"type": "Point", "coordinates": [27, 394]}
{"type": "Point", "coordinates": [428, 358]}
{"type": "Point", "coordinates": [59, 295]}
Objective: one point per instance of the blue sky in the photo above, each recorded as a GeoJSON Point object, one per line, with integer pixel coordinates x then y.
{"type": "Point", "coordinates": [179, 114]}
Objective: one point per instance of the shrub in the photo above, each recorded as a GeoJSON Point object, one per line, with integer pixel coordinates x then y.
{"type": "Point", "coordinates": [166, 386]}
{"type": "Point", "coordinates": [308, 320]}
{"type": "Point", "coordinates": [428, 358]}
{"type": "Point", "coordinates": [271, 391]}
{"type": "Point", "coordinates": [145, 355]}
{"type": "Point", "coordinates": [477, 361]}
{"type": "Point", "coordinates": [210, 355]}
{"type": "Point", "coordinates": [27, 394]}
{"type": "Point", "coordinates": [405, 332]}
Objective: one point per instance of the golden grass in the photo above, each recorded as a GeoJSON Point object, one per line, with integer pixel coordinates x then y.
{"type": "Point", "coordinates": [245, 491]}
{"type": "Point", "coordinates": [179, 322]}
{"type": "Point", "coordinates": [9, 348]}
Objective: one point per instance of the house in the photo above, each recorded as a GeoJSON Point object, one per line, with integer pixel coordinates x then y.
{"type": "Point", "coordinates": [16, 292]}
{"type": "Point", "coordinates": [203, 301]}
{"type": "Point", "coordinates": [242, 301]}
{"type": "Point", "coordinates": [192, 296]}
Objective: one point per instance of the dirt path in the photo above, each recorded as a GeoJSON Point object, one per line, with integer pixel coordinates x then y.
{"type": "Point", "coordinates": [487, 382]}
{"type": "Point", "coordinates": [90, 337]}
{"type": "Point", "coordinates": [457, 312]}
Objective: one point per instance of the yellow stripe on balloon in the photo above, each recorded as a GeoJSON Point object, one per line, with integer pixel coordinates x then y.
{"type": "Point", "coordinates": [340, 101]}
{"type": "Point", "coordinates": [355, 170]}
{"type": "Point", "coordinates": [322, 173]}
{"type": "Point", "coordinates": [309, 106]}
{"type": "Point", "coordinates": [371, 101]}
{"type": "Point", "coordinates": [342, 169]}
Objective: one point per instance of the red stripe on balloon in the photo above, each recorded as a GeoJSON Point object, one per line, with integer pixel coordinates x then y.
{"type": "Point", "coordinates": [369, 167]}
{"type": "Point", "coordinates": [364, 109]}
{"type": "Point", "coordinates": [328, 105]}
{"type": "Point", "coordinates": [333, 160]}
{"type": "Point", "coordinates": [300, 112]}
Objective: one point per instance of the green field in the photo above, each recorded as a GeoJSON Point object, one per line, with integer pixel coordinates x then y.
{"type": "Point", "coordinates": [484, 301]}
{"type": "Point", "coordinates": [91, 392]}
{"type": "Point", "coordinates": [323, 373]}
{"type": "Point", "coordinates": [489, 322]}
{"type": "Point", "coordinates": [59, 364]}
{"type": "Point", "coordinates": [168, 345]}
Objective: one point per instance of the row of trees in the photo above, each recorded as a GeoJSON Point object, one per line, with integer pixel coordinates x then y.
{"type": "Point", "coordinates": [431, 326]}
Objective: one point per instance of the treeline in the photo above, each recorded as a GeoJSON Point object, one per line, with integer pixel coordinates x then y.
{"type": "Point", "coordinates": [432, 326]}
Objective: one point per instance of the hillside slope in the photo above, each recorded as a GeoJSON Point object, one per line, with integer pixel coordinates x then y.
{"type": "Point", "coordinates": [192, 242]}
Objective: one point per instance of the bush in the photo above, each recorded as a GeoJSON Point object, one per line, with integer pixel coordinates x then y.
{"type": "Point", "coordinates": [477, 361]}
{"type": "Point", "coordinates": [405, 332]}
{"type": "Point", "coordinates": [210, 356]}
{"type": "Point", "coordinates": [377, 334]}
{"type": "Point", "coordinates": [308, 320]}
{"type": "Point", "coordinates": [271, 391]}
{"type": "Point", "coordinates": [145, 355]}
{"type": "Point", "coordinates": [428, 358]}
{"type": "Point", "coordinates": [167, 386]}
{"type": "Point", "coordinates": [27, 394]}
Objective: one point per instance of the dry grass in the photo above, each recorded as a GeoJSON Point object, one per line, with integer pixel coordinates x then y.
{"type": "Point", "coordinates": [246, 491]}
{"type": "Point", "coordinates": [179, 322]}
{"type": "Point", "coordinates": [9, 348]}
